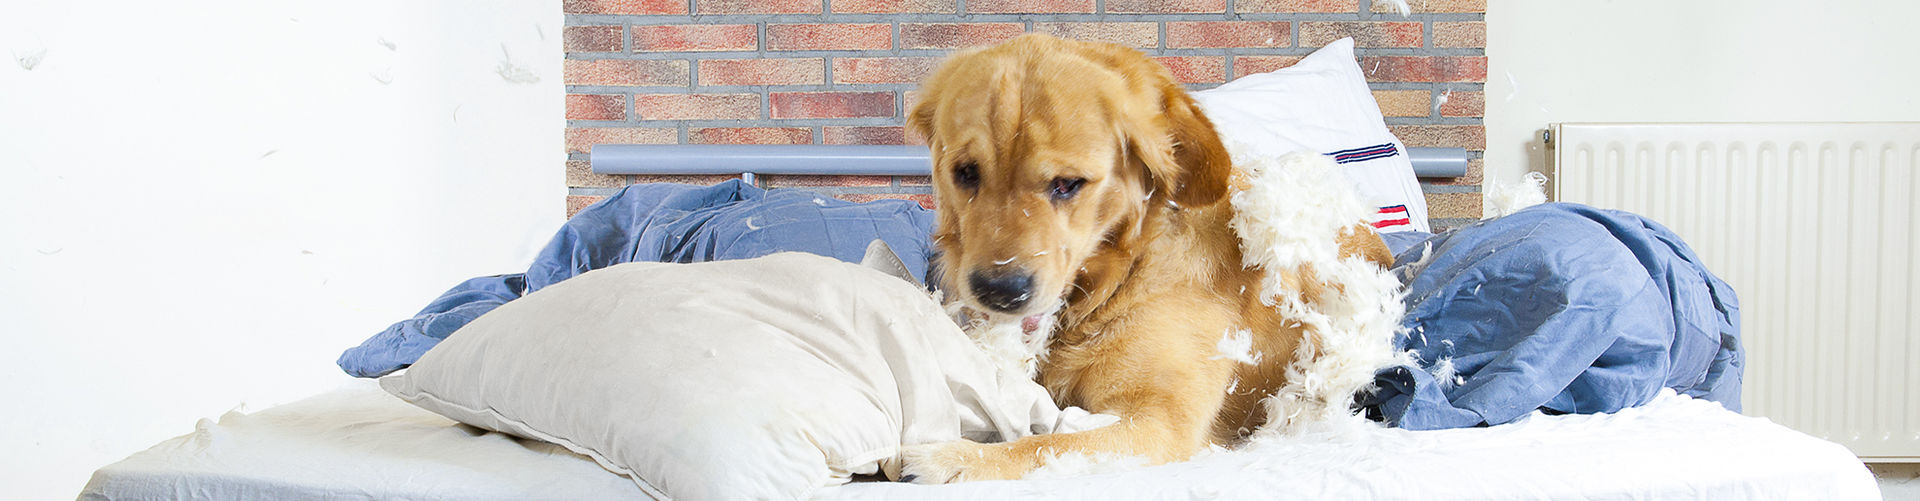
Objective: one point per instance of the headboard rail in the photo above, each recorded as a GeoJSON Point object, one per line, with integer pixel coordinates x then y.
{"type": "Point", "coordinates": [871, 160]}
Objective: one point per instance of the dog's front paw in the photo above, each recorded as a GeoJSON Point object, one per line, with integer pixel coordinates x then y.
{"type": "Point", "coordinates": [956, 461]}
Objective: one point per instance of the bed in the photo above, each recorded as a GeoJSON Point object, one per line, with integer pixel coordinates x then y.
{"type": "Point", "coordinates": [358, 442]}
{"type": "Point", "coordinates": [1521, 403]}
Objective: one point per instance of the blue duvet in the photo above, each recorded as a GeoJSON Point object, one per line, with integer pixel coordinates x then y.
{"type": "Point", "coordinates": [1558, 307]}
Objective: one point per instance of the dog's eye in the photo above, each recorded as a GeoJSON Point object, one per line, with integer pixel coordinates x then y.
{"type": "Point", "coordinates": [967, 175]}
{"type": "Point", "coordinates": [1064, 188]}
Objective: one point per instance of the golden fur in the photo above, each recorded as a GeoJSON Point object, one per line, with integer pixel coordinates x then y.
{"type": "Point", "coordinates": [1138, 265]}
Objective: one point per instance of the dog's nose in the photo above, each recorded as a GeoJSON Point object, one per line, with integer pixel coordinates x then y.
{"type": "Point", "coordinates": [1006, 293]}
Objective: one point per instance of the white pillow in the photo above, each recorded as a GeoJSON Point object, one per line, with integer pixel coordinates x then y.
{"type": "Point", "coordinates": [751, 379]}
{"type": "Point", "coordinates": [1322, 104]}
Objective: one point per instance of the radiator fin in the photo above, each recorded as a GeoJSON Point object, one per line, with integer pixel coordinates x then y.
{"type": "Point", "coordinates": [1814, 226]}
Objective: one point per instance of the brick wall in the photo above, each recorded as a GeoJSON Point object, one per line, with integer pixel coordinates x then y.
{"type": "Point", "coordinates": [845, 71]}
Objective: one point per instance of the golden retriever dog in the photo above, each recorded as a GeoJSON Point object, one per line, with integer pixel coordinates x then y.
{"type": "Point", "coordinates": [1080, 180]}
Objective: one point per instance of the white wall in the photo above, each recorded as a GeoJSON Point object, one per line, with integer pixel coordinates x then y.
{"type": "Point", "coordinates": [1692, 61]}
{"type": "Point", "coordinates": [202, 203]}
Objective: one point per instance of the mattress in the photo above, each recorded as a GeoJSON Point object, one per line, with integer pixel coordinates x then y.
{"type": "Point", "coordinates": [357, 442]}
{"type": "Point", "coordinates": [354, 442]}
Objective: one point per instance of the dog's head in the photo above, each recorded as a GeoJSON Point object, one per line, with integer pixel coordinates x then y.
{"type": "Point", "coordinates": [1048, 152]}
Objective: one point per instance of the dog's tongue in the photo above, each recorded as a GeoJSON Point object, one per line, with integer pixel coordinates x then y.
{"type": "Point", "coordinates": [1030, 324]}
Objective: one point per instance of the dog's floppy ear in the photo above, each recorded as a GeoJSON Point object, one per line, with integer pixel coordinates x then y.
{"type": "Point", "coordinates": [1181, 150]}
{"type": "Point", "coordinates": [920, 120]}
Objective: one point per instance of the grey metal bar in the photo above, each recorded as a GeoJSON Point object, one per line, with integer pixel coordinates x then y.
{"type": "Point", "coordinates": [870, 160]}
{"type": "Point", "coordinates": [1438, 162]}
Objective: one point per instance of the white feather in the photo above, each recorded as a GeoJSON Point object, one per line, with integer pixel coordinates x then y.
{"type": "Point", "coordinates": [1444, 372]}
{"type": "Point", "coordinates": [1401, 6]}
{"type": "Point", "coordinates": [1237, 345]}
{"type": "Point", "coordinates": [1005, 341]}
{"type": "Point", "coordinates": [1289, 217]}
{"type": "Point", "coordinates": [1502, 200]}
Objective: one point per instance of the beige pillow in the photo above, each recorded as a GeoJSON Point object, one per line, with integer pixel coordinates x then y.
{"type": "Point", "coordinates": [751, 379]}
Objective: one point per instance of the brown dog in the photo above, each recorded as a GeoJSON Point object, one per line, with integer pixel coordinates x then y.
{"type": "Point", "coordinates": [1079, 179]}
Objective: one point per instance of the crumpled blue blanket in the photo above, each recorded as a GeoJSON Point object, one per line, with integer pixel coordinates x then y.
{"type": "Point", "coordinates": [665, 223]}
{"type": "Point", "coordinates": [1559, 307]}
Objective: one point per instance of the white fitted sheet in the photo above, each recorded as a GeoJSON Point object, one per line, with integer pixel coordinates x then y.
{"type": "Point", "coordinates": [357, 442]}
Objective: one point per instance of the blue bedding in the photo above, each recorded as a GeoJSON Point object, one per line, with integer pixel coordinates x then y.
{"type": "Point", "coordinates": [1559, 307]}
{"type": "Point", "coordinates": [663, 223]}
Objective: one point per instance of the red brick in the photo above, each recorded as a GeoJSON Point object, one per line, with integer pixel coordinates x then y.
{"type": "Point", "coordinates": [925, 199]}
{"type": "Point", "coordinates": [1029, 6]}
{"type": "Point", "coordinates": [639, 7]}
{"type": "Point", "coordinates": [696, 106]}
{"type": "Point", "coordinates": [881, 70]}
{"type": "Point", "coordinates": [710, 7]}
{"type": "Point", "coordinates": [956, 35]}
{"type": "Point", "coordinates": [596, 107]}
{"type": "Point", "coordinates": [750, 135]}
{"type": "Point", "coordinates": [695, 37]}
{"type": "Point", "coordinates": [1425, 68]}
{"type": "Point", "coordinates": [831, 104]}
{"type": "Point", "coordinates": [1404, 103]}
{"type": "Point", "coordinates": [627, 72]}
{"type": "Point", "coordinates": [1431, 6]}
{"type": "Point", "coordinates": [580, 173]}
{"type": "Point", "coordinates": [1136, 35]}
{"type": "Point", "coordinates": [1472, 137]}
{"type": "Point", "coordinates": [1365, 34]}
{"type": "Point", "coordinates": [591, 38]}
{"type": "Point", "coordinates": [1166, 6]}
{"type": "Point", "coordinates": [581, 140]}
{"type": "Point", "coordinates": [576, 203]}
{"type": "Point", "coordinates": [1453, 205]}
{"type": "Point", "coordinates": [865, 135]}
{"type": "Point", "coordinates": [816, 181]}
{"type": "Point", "coordinates": [763, 71]}
{"type": "Point", "coordinates": [1460, 34]}
{"type": "Point", "coordinates": [1196, 69]}
{"type": "Point", "coordinates": [1297, 5]}
{"type": "Point", "coordinates": [894, 6]}
{"type": "Point", "coordinates": [1464, 104]}
{"type": "Point", "coordinates": [829, 37]}
{"type": "Point", "coordinates": [1248, 65]}
{"type": "Point", "coordinates": [693, 179]}
{"type": "Point", "coordinates": [1228, 34]}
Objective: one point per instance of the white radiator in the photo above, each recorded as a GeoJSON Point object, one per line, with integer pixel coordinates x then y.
{"type": "Point", "coordinates": [1814, 225]}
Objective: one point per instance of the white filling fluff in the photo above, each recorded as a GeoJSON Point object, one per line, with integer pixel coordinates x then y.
{"type": "Point", "coordinates": [1003, 338]}
{"type": "Point", "coordinates": [1289, 213]}
{"type": "Point", "coordinates": [1445, 373]}
{"type": "Point", "coordinates": [1237, 345]}
{"type": "Point", "coordinates": [1401, 6]}
{"type": "Point", "coordinates": [1502, 200]}
{"type": "Point", "coordinates": [1414, 269]}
